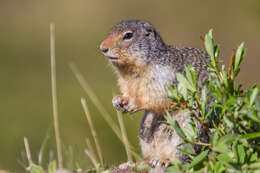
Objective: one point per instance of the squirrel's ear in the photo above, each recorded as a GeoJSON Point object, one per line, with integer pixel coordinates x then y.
{"type": "Point", "coordinates": [146, 26]}
{"type": "Point", "coordinates": [150, 31]}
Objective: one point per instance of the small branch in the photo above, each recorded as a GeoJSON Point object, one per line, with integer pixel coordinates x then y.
{"type": "Point", "coordinates": [54, 95]}
{"type": "Point", "coordinates": [200, 143]}
{"type": "Point", "coordinates": [93, 131]}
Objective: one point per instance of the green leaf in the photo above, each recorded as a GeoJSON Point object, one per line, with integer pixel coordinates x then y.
{"type": "Point", "coordinates": [239, 55]}
{"type": "Point", "coordinates": [204, 101]}
{"type": "Point", "coordinates": [229, 123]}
{"type": "Point", "coordinates": [222, 145]}
{"type": "Point", "coordinates": [184, 82]}
{"type": "Point", "coordinates": [254, 157]}
{"type": "Point", "coordinates": [198, 159]}
{"type": "Point", "coordinates": [190, 130]}
{"type": "Point", "coordinates": [235, 151]}
{"type": "Point", "coordinates": [241, 153]}
{"type": "Point", "coordinates": [253, 116]}
{"type": "Point", "coordinates": [175, 125]}
{"type": "Point", "coordinates": [52, 166]}
{"type": "Point", "coordinates": [173, 169]}
{"type": "Point", "coordinates": [253, 96]}
{"type": "Point", "coordinates": [251, 135]}
{"type": "Point", "coordinates": [209, 43]}
{"type": "Point", "coordinates": [224, 158]}
{"type": "Point", "coordinates": [214, 138]}
{"type": "Point", "coordinates": [141, 167]}
{"type": "Point", "coordinates": [190, 74]}
{"type": "Point", "coordinates": [227, 139]}
{"type": "Point", "coordinates": [177, 168]}
{"type": "Point", "coordinates": [36, 169]}
{"type": "Point", "coordinates": [187, 149]}
{"type": "Point", "coordinates": [168, 91]}
{"type": "Point", "coordinates": [255, 165]}
{"type": "Point", "coordinates": [43, 146]}
{"type": "Point", "coordinates": [224, 75]}
{"type": "Point", "coordinates": [216, 50]}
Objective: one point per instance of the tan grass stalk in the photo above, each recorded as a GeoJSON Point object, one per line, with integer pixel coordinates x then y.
{"type": "Point", "coordinates": [28, 152]}
{"type": "Point", "coordinates": [124, 135]}
{"type": "Point", "coordinates": [93, 131]}
{"type": "Point", "coordinates": [54, 95]}
{"type": "Point", "coordinates": [90, 148]}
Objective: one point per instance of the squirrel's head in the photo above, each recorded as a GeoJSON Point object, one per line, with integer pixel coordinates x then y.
{"type": "Point", "coordinates": [132, 42]}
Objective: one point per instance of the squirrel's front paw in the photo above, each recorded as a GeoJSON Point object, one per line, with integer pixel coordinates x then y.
{"type": "Point", "coordinates": [124, 104]}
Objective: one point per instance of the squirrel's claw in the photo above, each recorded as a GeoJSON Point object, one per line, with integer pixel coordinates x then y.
{"type": "Point", "coordinates": [157, 163]}
{"type": "Point", "coordinates": [123, 104]}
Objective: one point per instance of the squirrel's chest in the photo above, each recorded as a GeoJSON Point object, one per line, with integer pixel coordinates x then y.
{"type": "Point", "coordinates": [148, 90]}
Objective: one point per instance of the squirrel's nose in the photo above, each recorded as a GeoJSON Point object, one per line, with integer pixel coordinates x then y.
{"type": "Point", "coordinates": [104, 49]}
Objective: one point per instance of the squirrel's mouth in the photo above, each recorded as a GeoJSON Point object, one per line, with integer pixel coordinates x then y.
{"type": "Point", "coordinates": [113, 58]}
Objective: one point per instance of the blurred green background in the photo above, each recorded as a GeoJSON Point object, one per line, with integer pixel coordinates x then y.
{"type": "Point", "coordinates": [25, 85]}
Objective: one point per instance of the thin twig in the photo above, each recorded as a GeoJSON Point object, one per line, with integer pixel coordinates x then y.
{"type": "Point", "coordinates": [28, 152]}
{"type": "Point", "coordinates": [124, 135]}
{"type": "Point", "coordinates": [93, 131]}
{"type": "Point", "coordinates": [54, 95]}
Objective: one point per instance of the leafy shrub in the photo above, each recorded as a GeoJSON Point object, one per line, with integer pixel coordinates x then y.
{"type": "Point", "coordinates": [233, 115]}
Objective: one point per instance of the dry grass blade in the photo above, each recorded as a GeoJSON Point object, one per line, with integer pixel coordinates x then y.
{"type": "Point", "coordinates": [92, 159]}
{"type": "Point", "coordinates": [83, 83]}
{"type": "Point", "coordinates": [91, 149]}
{"type": "Point", "coordinates": [124, 135]}
{"type": "Point", "coordinates": [28, 152]}
{"type": "Point", "coordinates": [93, 131]}
{"type": "Point", "coordinates": [54, 94]}
{"type": "Point", "coordinates": [95, 100]}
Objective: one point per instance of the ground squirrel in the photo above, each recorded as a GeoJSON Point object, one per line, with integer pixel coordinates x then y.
{"type": "Point", "coordinates": [145, 64]}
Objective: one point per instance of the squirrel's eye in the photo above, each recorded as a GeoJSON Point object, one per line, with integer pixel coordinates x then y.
{"type": "Point", "coordinates": [128, 36]}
